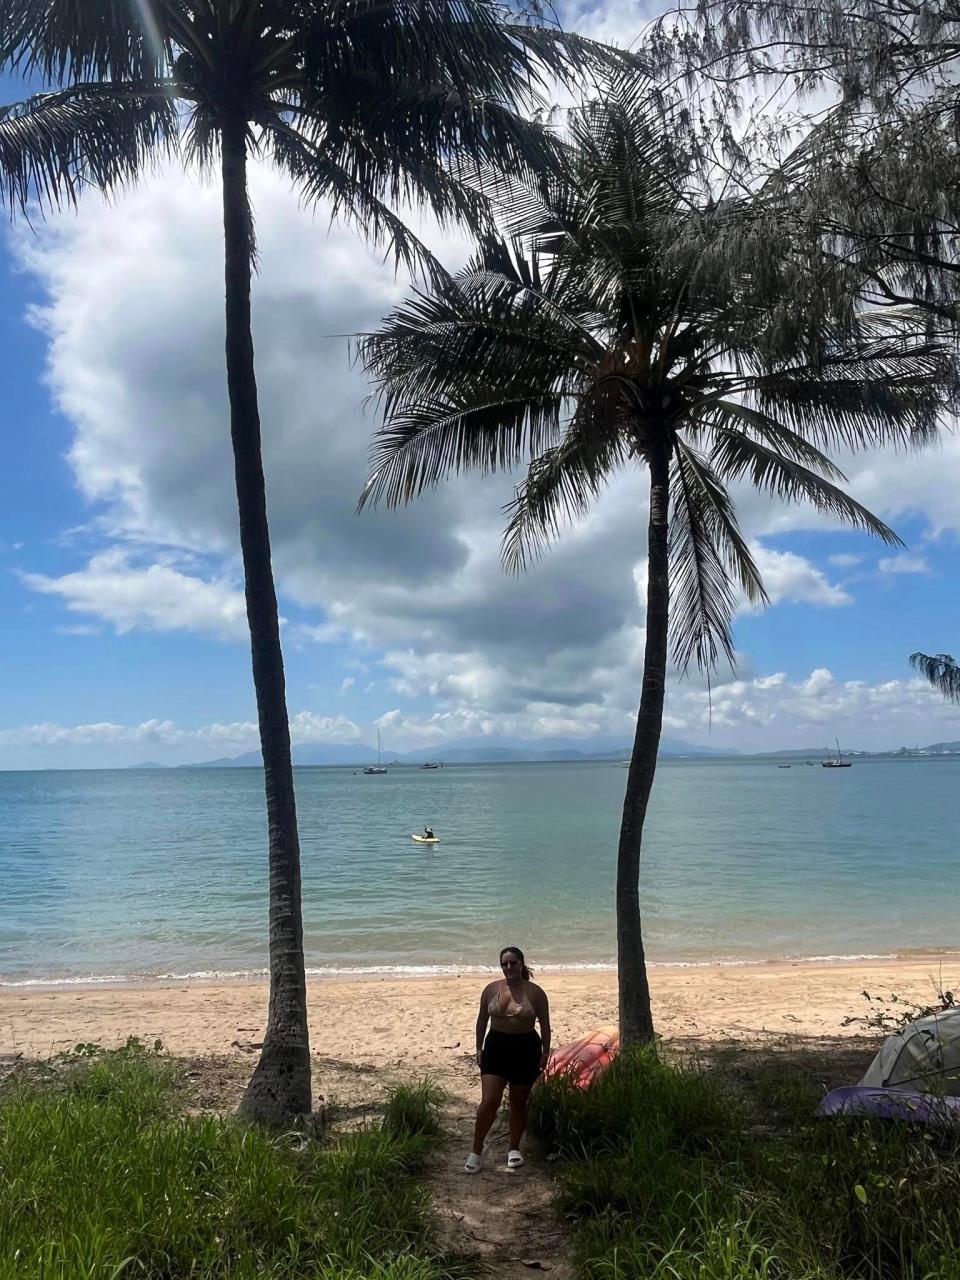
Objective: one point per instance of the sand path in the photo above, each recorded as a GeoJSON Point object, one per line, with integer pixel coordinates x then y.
{"type": "Point", "coordinates": [504, 1216]}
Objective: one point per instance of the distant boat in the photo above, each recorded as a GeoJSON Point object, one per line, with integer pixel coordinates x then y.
{"type": "Point", "coordinates": [839, 763]}
{"type": "Point", "coordinates": [379, 767]}
{"type": "Point", "coordinates": [431, 764]}
{"type": "Point", "coordinates": [784, 766]}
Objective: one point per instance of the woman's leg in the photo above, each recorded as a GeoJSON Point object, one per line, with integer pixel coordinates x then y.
{"type": "Point", "coordinates": [492, 1088]}
{"type": "Point", "coordinates": [519, 1111]}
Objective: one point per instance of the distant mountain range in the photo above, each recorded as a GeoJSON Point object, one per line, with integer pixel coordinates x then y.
{"type": "Point", "coordinates": [490, 750]}
{"type": "Point", "coordinates": [500, 750]}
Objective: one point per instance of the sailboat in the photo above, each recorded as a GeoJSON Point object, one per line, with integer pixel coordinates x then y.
{"type": "Point", "coordinates": [379, 767]}
{"type": "Point", "coordinates": [839, 763]}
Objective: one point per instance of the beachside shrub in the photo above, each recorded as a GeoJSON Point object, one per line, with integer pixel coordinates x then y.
{"type": "Point", "coordinates": [102, 1176]}
{"type": "Point", "coordinates": [675, 1171]}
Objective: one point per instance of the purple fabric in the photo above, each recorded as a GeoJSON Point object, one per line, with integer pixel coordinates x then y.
{"type": "Point", "coordinates": [892, 1104]}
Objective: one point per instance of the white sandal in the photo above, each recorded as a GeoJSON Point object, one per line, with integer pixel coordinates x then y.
{"type": "Point", "coordinates": [514, 1159]}
{"type": "Point", "coordinates": [472, 1164]}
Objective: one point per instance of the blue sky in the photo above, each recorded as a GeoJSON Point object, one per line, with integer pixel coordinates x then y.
{"type": "Point", "coordinates": [123, 633]}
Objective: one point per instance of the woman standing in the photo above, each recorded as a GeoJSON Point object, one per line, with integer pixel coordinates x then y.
{"type": "Point", "coordinates": [512, 1053]}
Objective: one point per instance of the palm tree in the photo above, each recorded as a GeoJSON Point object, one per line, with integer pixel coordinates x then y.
{"type": "Point", "coordinates": [620, 318]}
{"type": "Point", "coordinates": [942, 671]}
{"type": "Point", "coordinates": [364, 103]}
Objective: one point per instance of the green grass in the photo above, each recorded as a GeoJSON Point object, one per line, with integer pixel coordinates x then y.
{"type": "Point", "coordinates": [102, 1177]}
{"type": "Point", "coordinates": [676, 1173]}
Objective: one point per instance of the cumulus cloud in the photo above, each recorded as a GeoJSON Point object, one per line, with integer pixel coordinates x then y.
{"type": "Point", "coordinates": [792, 578]}
{"type": "Point", "coordinates": [237, 736]}
{"type": "Point", "coordinates": [133, 322]}
{"type": "Point", "coordinates": [766, 712]}
{"type": "Point", "coordinates": [903, 563]}
{"type": "Point", "coordinates": [156, 597]}
{"type": "Point", "coordinates": [844, 560]}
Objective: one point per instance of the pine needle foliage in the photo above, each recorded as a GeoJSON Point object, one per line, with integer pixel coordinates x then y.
{"type": "Point", "coordinates": [941, 671]}
{"type": "Point", "coordinates": [861, 148]}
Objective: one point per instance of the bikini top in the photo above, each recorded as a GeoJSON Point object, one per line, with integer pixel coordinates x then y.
{"type": "Point", "coordinates": [524, 1009]}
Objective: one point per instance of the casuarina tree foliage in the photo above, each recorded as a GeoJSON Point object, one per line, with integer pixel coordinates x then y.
{"type": "Point", "coordinates": [941, 670]}
{"type": "Point", "coordinates": [862, 103]}
{"type": "Point", "coordinates": [364, 104]}
{"type": "Point", "coordinates": [622, 317]}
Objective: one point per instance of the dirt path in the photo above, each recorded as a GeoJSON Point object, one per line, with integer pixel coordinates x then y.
{"type": "Point", "coordinates": [505, 1216]}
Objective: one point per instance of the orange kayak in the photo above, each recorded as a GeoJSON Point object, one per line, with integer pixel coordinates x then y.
{"type": "Point", "coordinates": [583, 1060]}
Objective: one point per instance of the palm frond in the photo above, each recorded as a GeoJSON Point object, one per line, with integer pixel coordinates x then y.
{"type": "Point", "coordinates": [479, 334]}
{"type": "Point", "coordinates": [561, 483]}
{"type": "Point", "coordinates": [97, 134]}
{"type": "Point", "coordinates": [116, 40]}
{"type": "Point", "coordinates": [780, 437]}
{"type": "Point", "coordinates": [859, 398]}
{"type": "Point", "coordinates": [735, 456]}
{"type": "Point", "coordinates": [422, 444]}
{"type": "Point", "coordinates": [941, 671]}
{"type": "Point", "coordinates": [319, 176]}
{"type": "Point", "coordinates": [708, 557]}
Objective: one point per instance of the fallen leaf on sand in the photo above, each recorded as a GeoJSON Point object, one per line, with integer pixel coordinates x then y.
{"type": "Point", "coordinates": [535, 1264]}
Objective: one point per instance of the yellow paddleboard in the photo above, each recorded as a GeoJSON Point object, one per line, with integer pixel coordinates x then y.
{"type": "Point", "coordinates": [426, 839]}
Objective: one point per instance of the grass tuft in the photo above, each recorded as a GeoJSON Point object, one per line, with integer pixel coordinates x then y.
{"type": "Point", "coordinates": [674, 1173]}
{"type": "Point", "coordinates": [414, 1110]}
{"type": "Point", "coordinates": [101, 1177]}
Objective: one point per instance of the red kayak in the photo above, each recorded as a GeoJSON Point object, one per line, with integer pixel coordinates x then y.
{"type": "Point", "coordinates": [583, 1060]}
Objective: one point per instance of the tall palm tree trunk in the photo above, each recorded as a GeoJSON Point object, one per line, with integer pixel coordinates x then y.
{"type": "Point", "coordinates": [636, 1018]}
{"type": "Point", "coordinates": [280, 1086]}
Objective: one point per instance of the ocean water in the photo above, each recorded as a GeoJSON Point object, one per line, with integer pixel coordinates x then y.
{"type": "Point", "coordinates": [138, 874]}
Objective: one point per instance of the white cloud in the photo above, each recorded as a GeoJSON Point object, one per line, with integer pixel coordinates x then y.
{"type": "Point", "coordinates": [235, 737]}
{"type": "Point", "coordinates": [133, 320]}
{"type": "Point", "coordinates": [306, 726]}
{"type": "Point", "coordinates": [347, 684]}
{"type": "Point", "coordinates": [151, 598]}
{"type": "Point", "coordinates": [845, 560]}
{"type": "Point", "coordinates": [904, 563]}
{"type": "Point", "coordinates": [766, 712]}
{"type": "Point", "coordinates": [791, 578]}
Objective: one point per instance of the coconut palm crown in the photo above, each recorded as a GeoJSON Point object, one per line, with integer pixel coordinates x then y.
{"type": "Point", "coordinates": [620, 318]}
{"type": "Point", "coordinates": [366, 104]}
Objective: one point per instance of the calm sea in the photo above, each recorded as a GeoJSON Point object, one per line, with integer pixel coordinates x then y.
{"type": "Point", "coordinates": [163, 872]}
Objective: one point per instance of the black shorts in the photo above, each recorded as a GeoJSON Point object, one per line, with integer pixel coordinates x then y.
{"type": "Point", "coordinates": [513, 1057]}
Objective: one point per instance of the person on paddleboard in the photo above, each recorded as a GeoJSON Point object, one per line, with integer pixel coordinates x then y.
{"type": "Point", "coordinates": [428, 832]}
{"type": "Point", "coordinates": [511, 1054]}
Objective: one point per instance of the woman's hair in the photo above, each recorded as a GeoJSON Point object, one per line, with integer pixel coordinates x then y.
{"type": "Point", "coordinates": [525, 972]}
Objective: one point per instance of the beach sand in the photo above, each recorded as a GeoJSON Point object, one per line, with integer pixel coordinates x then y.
{"type": "Point", "coordinates": [366, 1032]}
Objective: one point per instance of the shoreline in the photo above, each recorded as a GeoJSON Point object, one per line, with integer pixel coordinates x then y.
{"type": "Point", "coordinates": [426, 973]}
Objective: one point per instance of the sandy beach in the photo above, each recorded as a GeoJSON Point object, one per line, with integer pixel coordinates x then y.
{"type": "Point", "coordinates": [406, 1026]}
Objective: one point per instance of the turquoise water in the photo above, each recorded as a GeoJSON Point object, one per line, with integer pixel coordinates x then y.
{"type": "Point", "coordinates": [162, 872]}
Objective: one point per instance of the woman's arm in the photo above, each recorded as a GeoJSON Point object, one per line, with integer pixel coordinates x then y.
{"type": "Point", "coordinates": [482, 1019]}
{"type": "Point", "coordinates": [543, 1013]}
